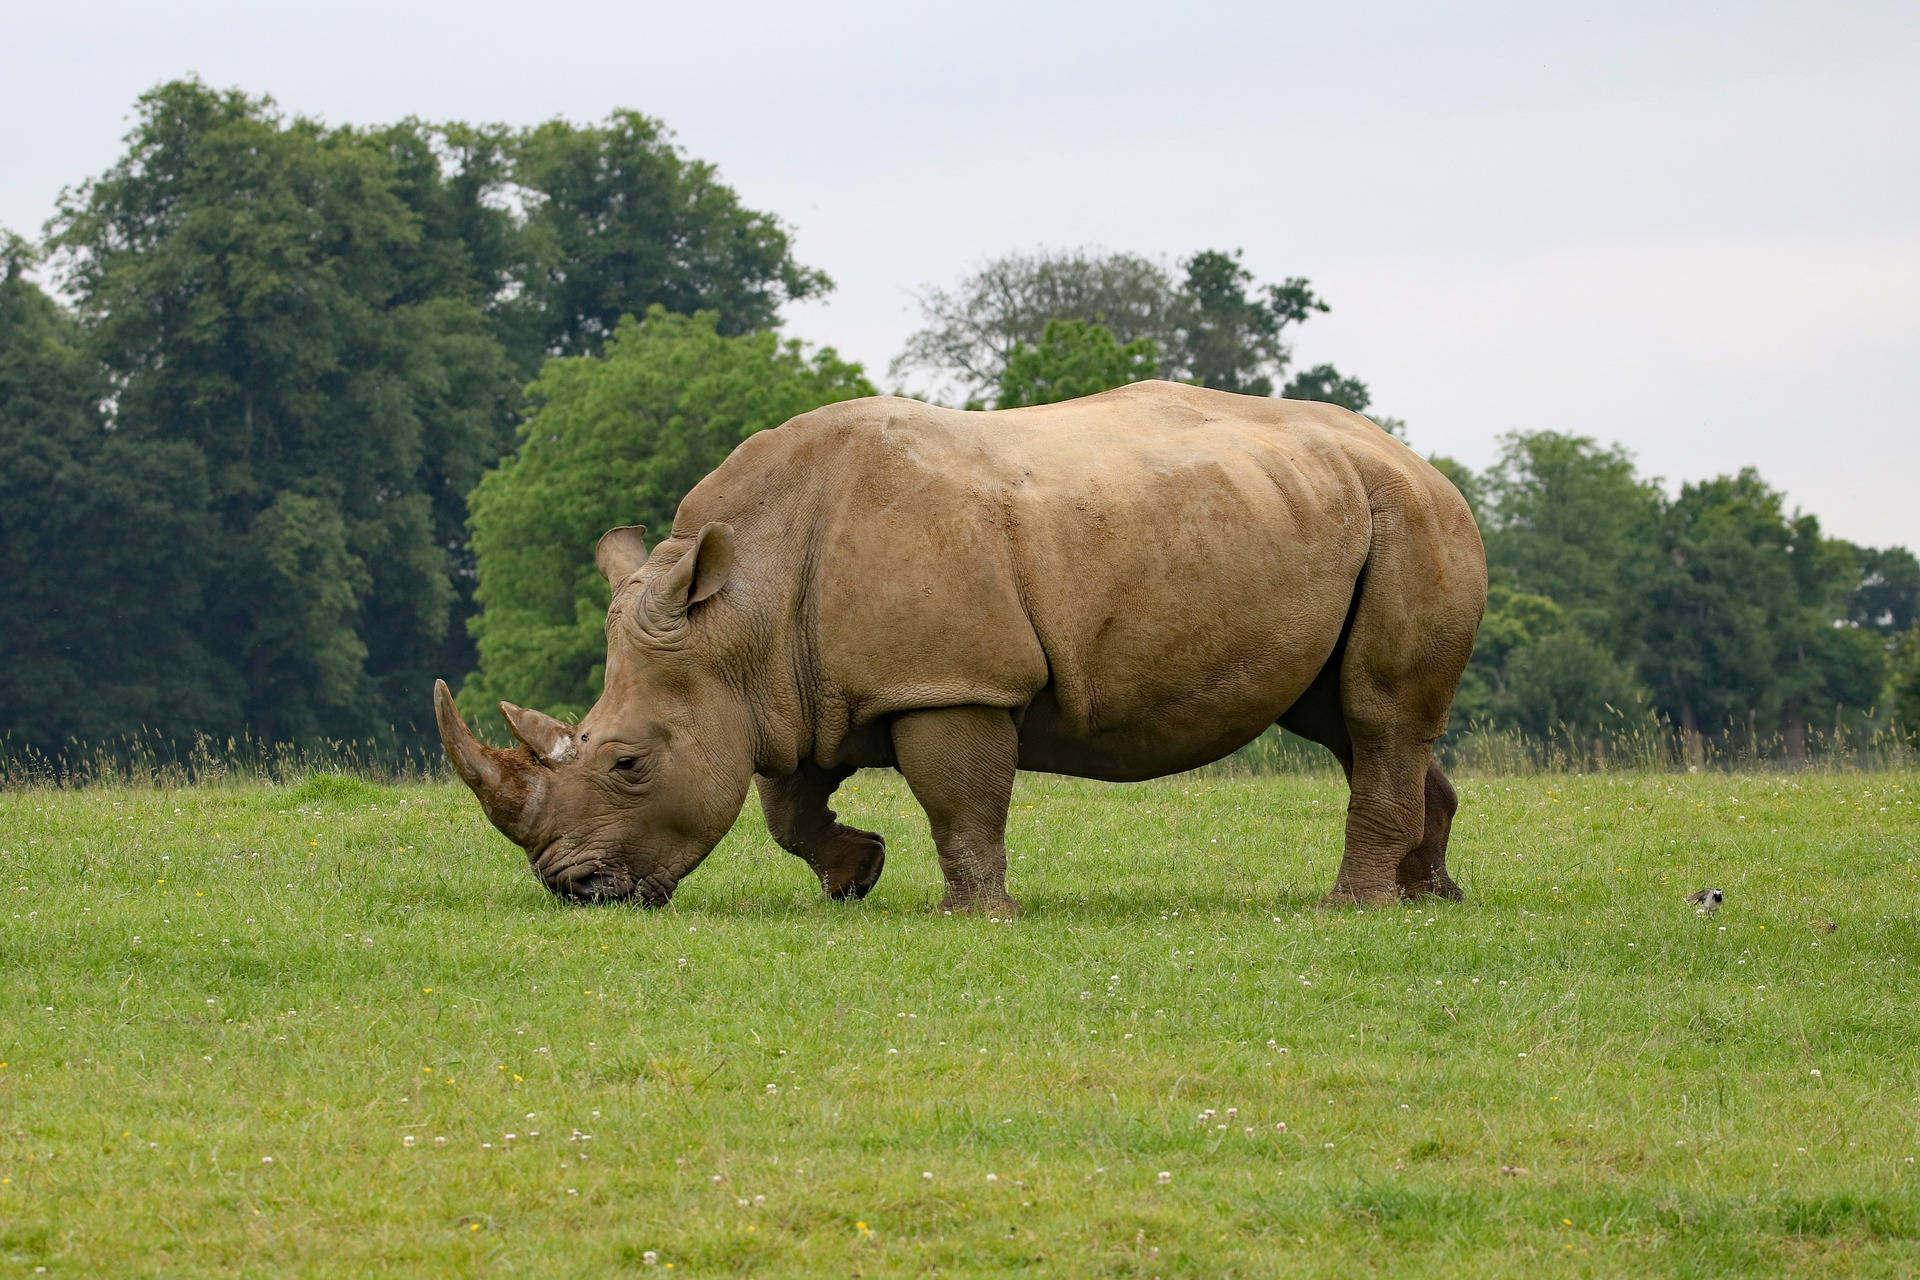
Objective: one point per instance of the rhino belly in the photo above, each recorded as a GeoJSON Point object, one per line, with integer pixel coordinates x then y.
{"type": "Point", "coordinates": [1134, 718]}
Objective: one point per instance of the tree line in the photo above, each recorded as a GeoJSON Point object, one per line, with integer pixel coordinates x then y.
{"type": "Point", "coordinates": [313, 414]}
{"type": "Point", "coordinates": [235, 454]}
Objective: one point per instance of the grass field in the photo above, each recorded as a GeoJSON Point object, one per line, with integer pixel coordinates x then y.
{"type": "Point", "coordinates": [337, 1029]}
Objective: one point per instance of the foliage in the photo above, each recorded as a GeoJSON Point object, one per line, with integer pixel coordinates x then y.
{"type": "Point", "coordinates": [297, 350]}
{"type": "Point", "coordinates": [620, 221]}
{"type": "Point", "coordinates": [1325, 383]}
{"type": "Point", "coordinates": [1741, 616]}
{"type": "Point", "coordinates": [1730, 616]}
{"type": "Point", "coordinates": [256, 291]}
{"type": "Point", "coordinates": [614, 439]}
{"type": "Point", "coordinates": [1570, 520]}
{"type": "Point", "coordinates": [1903, 684]}
{"type": "Point", "coordinates": [1072, 359]}
{"type": "Point", "coordinates": [104, 540]}
{"type": "Point", "coordinates": [972, 331]}
{"type": "Point", "coordinates": [1214, 325]}
{"type": "Point", "coordinates": [1231, 338]}
{"type": "Point", "coordinates": [420, 984]}
{"type": "Point", "coordinates": [1888, 597]}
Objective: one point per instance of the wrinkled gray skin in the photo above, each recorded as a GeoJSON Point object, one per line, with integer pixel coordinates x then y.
{"type": "Point", "coordinates": [1118, 587]}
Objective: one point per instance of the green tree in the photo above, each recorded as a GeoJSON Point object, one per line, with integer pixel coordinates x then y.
{"type": "Point", "coordinates": [1565, 518]}
{"type": "Point", "coordinates": [1232, 331]}
{"type": "Point", "coordinates": [1903, 684]}
{"type": "Point", "coordinates": [614, 439]}
{"type": "Point", "coordinates": [103, 543]}
{"type": "Point", "coordinates": [1565, 685]}
{"type": "Point", "coordinates": [1325, 383]}
{"type": "Point", "coordinates": [258, 290]}
{"type": "Point", "coordinates": [971, 332]}
{"type": "Point", "coordinates": [1215, 325]}
{"type": "Point", "coordinates": [1745, 618]}
{"type": "Point", "coordinates": [620, 221]}
{"type": "Point", "coordinates": [1887, 596]}
{"type": "Point", "coordinates": [1073, 358]}
{"type": "Point", "coordinates": [1534, 671]}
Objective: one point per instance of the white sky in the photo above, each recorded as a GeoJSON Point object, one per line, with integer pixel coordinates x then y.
{"type": "Point", "coordinates": [1692, 229]}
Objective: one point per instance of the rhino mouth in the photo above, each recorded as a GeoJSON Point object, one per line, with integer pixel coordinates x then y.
{"type": "Point", "coordinates": [587, 880]}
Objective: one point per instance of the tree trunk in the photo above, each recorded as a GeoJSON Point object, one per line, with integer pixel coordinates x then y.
{"type": "Point", "coordinates": [1793, 728]}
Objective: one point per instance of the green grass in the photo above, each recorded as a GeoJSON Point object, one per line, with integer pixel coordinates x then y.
{"type": "Point", "coordinates": [227, 1008]}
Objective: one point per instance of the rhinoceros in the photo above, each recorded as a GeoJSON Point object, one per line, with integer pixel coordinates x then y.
{"type": "Point", "coordinates": [1118, 587]}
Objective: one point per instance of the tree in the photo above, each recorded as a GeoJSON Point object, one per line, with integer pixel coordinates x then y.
{"type": "Point", "coordinates": [1744, 624]}
{"type": "Point", "coordinates": [1073, 358]}
{"type": "Point", "coordinates": [1903, 685]}
{"type": "Point", "coordinates": [1887, 597]}
{"type": "Point", "coordinates": [619, 220]}
{"type": "Point", "coordinates": [1231, 332]}
{"type": "Point", "coordinates": [614, 439]}
{"type": "Point", "coordinates": [1214, 326]}
{"type": "Point", "coordinates": [1534, 671]}
{"type": "Point", "coordinates": [103, 542]}
{"type": "Point", "coordinates": [1569, 520]}
{"type": "Point", "coordinates": [1565, 685]}
{"type": "Point", "coordinates": [973, 330]}
{"type": "Point", "coordinates": [259, 293]}
{"type": "Point", "coordinates": [1325, 383]}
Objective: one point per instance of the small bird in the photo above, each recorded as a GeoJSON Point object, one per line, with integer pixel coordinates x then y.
{"type": "Point", "coordinates": [1706, 901]}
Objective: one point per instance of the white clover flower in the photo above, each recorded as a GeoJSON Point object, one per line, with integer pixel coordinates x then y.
{"type": "Point", "coordinates": [1165, 1177]}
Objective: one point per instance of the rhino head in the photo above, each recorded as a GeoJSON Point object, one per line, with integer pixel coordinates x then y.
{"type": "Point", "coordinates": [634, 796]}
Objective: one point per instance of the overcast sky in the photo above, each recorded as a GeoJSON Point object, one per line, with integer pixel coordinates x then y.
{"type": "Point", "coordinates": [1691, 229]}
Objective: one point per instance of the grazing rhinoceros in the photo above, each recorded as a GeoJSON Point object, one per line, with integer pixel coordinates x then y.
{"type": "Point", "coordinates": [1117, 587]}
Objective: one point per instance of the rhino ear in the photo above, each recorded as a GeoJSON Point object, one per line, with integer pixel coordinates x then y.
{"type": "Point", "coordinates": [621, 552]}
{"type": "Point", "coordinates": [694, 577]}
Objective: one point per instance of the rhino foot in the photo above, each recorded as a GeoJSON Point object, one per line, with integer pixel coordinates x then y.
{"type": "Point", "coordinates": [851, 864]}
{"type": "Point", "coordinates": [997, 905]}
{"type": "Point", "coordinates": [1375, 897]}
{"type": "Point", "coordinates": [1441, 888]}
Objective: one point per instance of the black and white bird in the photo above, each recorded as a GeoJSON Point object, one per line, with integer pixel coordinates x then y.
{"type": "Point", "coordinates": [1706, 901]}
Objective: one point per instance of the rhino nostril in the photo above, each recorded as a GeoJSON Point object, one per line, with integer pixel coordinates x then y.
{"type": "Point", "coordinates": [594, 887]}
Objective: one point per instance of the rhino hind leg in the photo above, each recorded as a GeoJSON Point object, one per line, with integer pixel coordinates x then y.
{"type": "Point", "coordinates": [847, 860]}
{"type": "Point", "coordinates": [1378, 705]}
{"type": "Point", "coordinates": [959, 763]}
{"type": "Point", "coordinates": [1422, 873]}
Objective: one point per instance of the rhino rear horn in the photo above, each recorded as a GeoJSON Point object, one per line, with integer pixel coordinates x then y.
{"type": "Point", "coordinates": [550, 739]}
{"type": "Point", "coordinates": [506, 782]}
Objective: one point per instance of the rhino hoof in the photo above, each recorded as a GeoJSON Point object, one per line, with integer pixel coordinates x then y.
{"type": "Point", "coordinates": [853, 875]}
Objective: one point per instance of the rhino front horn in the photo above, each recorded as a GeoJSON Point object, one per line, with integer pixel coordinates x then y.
{"type": "Point", "coordinates": [507, 783]}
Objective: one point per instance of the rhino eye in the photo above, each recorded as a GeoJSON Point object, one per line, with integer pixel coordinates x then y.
{"type": "Point", "coordinates": [626, 764]}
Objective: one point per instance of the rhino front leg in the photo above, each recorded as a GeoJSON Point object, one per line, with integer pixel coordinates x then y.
{"type": "Point", "coordinates": [960, 762]}
{"type": "Point", "coordinates": [847, 859]}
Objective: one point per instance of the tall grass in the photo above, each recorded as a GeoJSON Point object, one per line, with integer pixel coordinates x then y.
{"type": "Point", "coordinates": [155, 760]}
{"type": "Point", "coordinates": [1646, 744]}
